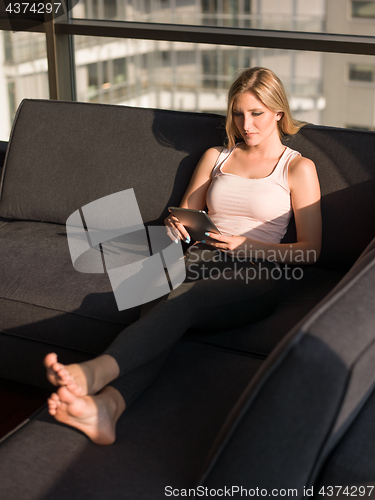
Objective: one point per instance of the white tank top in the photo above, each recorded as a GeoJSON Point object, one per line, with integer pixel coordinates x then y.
{"type": "Point", "coordinates": [255, 208]}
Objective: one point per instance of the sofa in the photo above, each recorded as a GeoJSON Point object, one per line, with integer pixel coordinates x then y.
{"type": "Point", "coordinates": [284, 403]}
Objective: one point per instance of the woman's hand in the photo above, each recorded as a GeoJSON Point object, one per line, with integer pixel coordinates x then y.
{"type": "Point", "coordinates": [226, 243]}
{"type": "Point", "coordinates": [175, 230]}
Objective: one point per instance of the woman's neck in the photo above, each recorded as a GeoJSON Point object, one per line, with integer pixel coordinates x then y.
{"type": "Point", "coordinates": [266, 149]}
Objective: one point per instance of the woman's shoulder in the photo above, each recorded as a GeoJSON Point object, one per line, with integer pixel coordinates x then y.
{"type": "Point", "coordinates": [214, 151]}
{"type": "Point", "coordinates": [301, 169]}
{"type": "Point", "coordinates": [209, 160]}
{"type": "Point", "coordinates": [300, 162]}
{"type": "Point", "coordinates": [212, 155]}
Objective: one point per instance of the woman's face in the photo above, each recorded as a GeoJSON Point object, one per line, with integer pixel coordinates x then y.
{"type": "Point", "coordinates": [253, 119]}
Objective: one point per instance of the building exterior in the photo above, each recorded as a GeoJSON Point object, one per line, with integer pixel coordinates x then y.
{"type": "Point", "coordinates": [23, 73]}
{"type": "Point", "coordinates": [349, 80]}
{"type": "Point", "coordinates": [195, 77]}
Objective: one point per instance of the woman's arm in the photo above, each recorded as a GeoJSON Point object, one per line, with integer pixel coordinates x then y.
{"type": "Point", "coordinates": [305, 196]}
{"type": "Point", "coordinates": [195, 195]}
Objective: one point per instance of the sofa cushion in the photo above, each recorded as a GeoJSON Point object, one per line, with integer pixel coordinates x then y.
{"type": "Point", "coordinates": [161, 441]}
{"type": "Point", "coordinates": [298, 297]}
{"type": "Point", "coordinates": [43, 298]}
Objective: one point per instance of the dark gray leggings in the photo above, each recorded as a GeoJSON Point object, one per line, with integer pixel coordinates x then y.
{"type": "Point", "coordinates": [219, 293]}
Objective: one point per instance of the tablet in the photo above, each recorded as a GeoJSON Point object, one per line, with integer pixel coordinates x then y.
{"type": "Point", "coordinates": [197, 222]}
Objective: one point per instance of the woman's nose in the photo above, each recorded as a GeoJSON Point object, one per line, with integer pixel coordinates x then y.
{"type": "Point", "coordinates": [248, 123]}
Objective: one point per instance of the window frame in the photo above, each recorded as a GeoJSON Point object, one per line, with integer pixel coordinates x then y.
{"type": "Point", "coordinates": [60, 44]}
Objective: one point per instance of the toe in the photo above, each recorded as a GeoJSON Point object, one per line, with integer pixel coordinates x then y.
{"type": "Point", "coordinates": [64, 374]}
{"type": "Point", "coordinates": [50, 359]}
{"type": "Point", "coordinates": [65, 395]}
{"type": "Point", "coordinates": [52, 404]}
{"type": "Point", "coordinates": [75, 389]}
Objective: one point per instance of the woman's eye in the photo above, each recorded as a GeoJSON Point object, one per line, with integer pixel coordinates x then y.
{"type": "Point", "coordinates": [257, 114]}
{"type": "Point", "coordinates": [237, 114]}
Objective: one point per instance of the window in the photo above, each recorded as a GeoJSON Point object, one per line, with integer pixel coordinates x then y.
{"type": "Point", "coordinates": [106, 83]}
{"type": "Point", "coordinates": [210, 69]}
{"type": "Point", "coordinates": [247, 14]}
{"type": "Point", "coordinates": [230, 9]}
{"type": "Point", "coordinates": [247, 7]}
{"type": "Point", "coordinates": [195, 75]}
{"type": "Point", "coordinates": [209, 6]}
{"type": "Point", "coordinates": [210, 11]}
{"type": "Point", "coordinates": [93, 80]}
{"type": "Point", "coordinates": [12, 98]}
{"type": "Point", "coordinates": [119, 70]}
{"type": "Point", "coordinates": [95, 9]}
{"type": "Point", "coordinates": [110, 9]}
{"type": "Point", "coordinates": [166, 58]}
{"type": "Point", "coordinates": [8, 47]}
{"type": "Point", "coordinates": [363, 9]}
{"type": "Point", "coordinates": [361, 73]}
{"type": "Point", "coordinates": [23, 73]}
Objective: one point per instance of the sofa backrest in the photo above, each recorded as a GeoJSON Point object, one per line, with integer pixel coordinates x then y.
{"type": "Point", "coordinates": [352, 462]}
{"type": "Point", "coordinates": [305, 397]}
{"type": "Point", "coordinates": [3, 148]}
{"type": "Point", "coordinates": [345, 163]}
{"type": "Point", "coordinates": [63, 155]}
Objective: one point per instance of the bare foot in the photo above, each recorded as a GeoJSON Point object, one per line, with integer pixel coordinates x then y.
{"type": "Point", "coordinates": [95, 416]}
{"type": "Point", "coordinates": [78, 376]}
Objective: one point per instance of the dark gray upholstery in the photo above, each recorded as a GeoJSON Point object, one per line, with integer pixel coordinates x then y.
{"type": "Point", "coordinates": [58, 309]}
{"type": "Point", "coordinates": [111, 148]}
{"type": "Point", "coordinates": [304, 403]}
{"type": "Point", "coordinates": [77, 153]}
{"type": "Point", "coordinates": [298, 298]}
{"type": "Point", "coordinates": [3, 148]}
{"type": "Point", "coordinates": [352, 462]}
{"type": "Point", "coordinates": [52, 293]}
{"type": "Point", "coordinates": [344, 160]}
{"type": "Point", "coordinates": [305, 396]}
{"type": "Point", "coordinates": [63, 155]}
{"type": "Point", "coordinates": [217, 414]}
{"type": "Point", "coordinates": [162, 441]}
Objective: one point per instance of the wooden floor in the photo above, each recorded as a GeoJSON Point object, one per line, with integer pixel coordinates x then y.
{"type": "Point", "coordinates": [17, 402]}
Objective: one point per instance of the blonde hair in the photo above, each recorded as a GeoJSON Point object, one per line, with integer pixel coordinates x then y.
{"type": "Point", "coordinates": [268, 88]}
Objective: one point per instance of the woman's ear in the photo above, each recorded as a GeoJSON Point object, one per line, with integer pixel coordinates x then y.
{"type": "Point", "coordinates": [279, 115]}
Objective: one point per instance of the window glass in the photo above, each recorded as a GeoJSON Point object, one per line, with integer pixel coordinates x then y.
{"type": "Point", "coordinates": [361, 73]}
{"type": "Point", "coordinates": [326, 16]}
{"type": "Point", "coordinates": [302, 15]}
{"type": "Point", "coordinates": [110, 9]}
{"type": "Point", "coordinates": [327, 89]}
{"type": "Point", "coordinates": [363, 9]}
{"type": "Point", "coordinates": [23, 73]}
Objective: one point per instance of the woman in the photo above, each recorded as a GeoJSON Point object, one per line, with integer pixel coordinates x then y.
{"type": "Point", "coordinates": [251, 189]}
